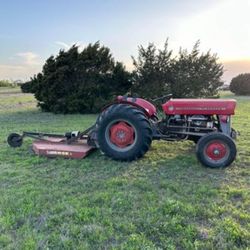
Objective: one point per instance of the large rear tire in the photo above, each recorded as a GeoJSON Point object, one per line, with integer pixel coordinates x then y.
{"type": "Point", "coordinates": [216, 150]}
{"type": "Point", "coordinates": [124, 132]}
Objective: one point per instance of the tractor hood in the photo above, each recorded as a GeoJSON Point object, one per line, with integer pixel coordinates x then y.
{"type": "Point", "coordinates": [199, 106]}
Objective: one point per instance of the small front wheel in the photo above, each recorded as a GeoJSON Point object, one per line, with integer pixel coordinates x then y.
{"type": "Point", "coordinates": [216, 150]}
{"type": "Point", "coordinates": [15, 140]}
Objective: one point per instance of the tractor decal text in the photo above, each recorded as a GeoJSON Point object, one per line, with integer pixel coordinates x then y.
{"type": "Point", "coordinates": [53, 152]}
{"type": "Point", "coordinates": [200, 108]}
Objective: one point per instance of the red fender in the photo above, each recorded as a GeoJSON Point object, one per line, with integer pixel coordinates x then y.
{"type": "Point", "coordinates": [148, 108]}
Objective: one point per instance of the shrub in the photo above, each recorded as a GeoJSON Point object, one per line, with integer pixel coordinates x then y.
{"type": "Point", "coordinates": [79, 82]}
{"type": "Point", "coordinates": [187, 75]}
{"type": "Point", "coordinates": [7, 83]}
{"type": "Point", "coordinates": [240, 85]}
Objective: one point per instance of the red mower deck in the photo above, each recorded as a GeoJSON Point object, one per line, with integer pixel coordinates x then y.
{"type": "Point", "coordinates": [59, 147]}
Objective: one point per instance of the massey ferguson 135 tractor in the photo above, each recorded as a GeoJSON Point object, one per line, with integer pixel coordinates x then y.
{"type": "Point", "coordinates": [125, 129]}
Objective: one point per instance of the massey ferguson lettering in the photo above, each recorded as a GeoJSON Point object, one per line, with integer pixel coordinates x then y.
{"type": "Point", "coordinates": [200, 108]}
{"type": "Point", "coordinates": [196, 106]}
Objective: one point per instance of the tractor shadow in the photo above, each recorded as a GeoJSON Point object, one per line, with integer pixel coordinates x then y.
{"type": "Point", "coordinates": [171, 161]}
{"type": "Point", "coordinates": [175, 162]}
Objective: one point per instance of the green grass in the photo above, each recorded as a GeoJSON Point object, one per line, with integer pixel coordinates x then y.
{"type": "Point", "coordinates": [166, 200]}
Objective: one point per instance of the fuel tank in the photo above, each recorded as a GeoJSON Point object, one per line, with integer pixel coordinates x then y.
{"type": "Point", "coordinates": [199, 106]}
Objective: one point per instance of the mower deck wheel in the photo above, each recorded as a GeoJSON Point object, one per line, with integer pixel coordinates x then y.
{"type": "Point", "coordinates": [15, 140]}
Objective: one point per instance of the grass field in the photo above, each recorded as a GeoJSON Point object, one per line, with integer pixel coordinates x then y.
{"type": "Point", "coordinates": [166, 200]}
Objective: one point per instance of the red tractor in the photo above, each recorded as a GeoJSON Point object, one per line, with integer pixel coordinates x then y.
{"type": "Point", "coordinates": [125, 129]}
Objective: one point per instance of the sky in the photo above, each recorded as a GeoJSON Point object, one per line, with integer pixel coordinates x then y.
{"type": "Point", "coordinates": [31, 31]}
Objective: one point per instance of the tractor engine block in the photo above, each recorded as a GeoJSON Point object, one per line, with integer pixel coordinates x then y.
{"type": "Point", "coordinates": [200, 121]}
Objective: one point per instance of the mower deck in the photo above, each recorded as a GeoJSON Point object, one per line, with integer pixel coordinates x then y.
{"type": "Point", "coordinates": [53, 147]}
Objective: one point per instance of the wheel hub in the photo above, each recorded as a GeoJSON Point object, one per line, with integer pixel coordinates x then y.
{"type": "Point", "coordinates": [216, 150]}
{"type": "Point", "coordinates": [122, 134]}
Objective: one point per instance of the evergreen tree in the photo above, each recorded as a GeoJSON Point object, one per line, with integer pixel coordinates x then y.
{"type": "Point", "coordinates": [195, 75]}
{"type": "Point", "coordinates": [79, 82]}
{"type": "Point", "coordinates": [240, 85]}
{"type": "Point", "coordinates": [187, 75]}
{"type": "Point", "coordinates": [152, 71]}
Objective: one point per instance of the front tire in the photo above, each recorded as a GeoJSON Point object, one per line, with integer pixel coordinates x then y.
{"type": "Point", "coordinates": [216, 150]}
{"type": "Point", "coordinates": [124, 132]}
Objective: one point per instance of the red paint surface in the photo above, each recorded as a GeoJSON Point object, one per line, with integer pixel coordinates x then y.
{"type": "Point", "coordinates": [216, 146]}
{"type": "Point", "coordinates": [121, 134]}
{"type": "Point", "coordinates": [200, 106]}
{"type": "Point", "coordinates": [57, 147]}
{"type": "Point", "coordinates": [149, 108]}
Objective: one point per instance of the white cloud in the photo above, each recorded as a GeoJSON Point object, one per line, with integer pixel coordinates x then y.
{"type": "Point", "coordinates": [66, 46]}
{"type": "Point", "coordinates": [29, 58]}
{"type": "Point", "coordinates": [63, 45]}
{"type": "Point", "coordinates": [23, 65]}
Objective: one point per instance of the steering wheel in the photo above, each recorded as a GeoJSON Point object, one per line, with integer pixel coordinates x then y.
{"type": "Point", "coordinates": [162, 98]}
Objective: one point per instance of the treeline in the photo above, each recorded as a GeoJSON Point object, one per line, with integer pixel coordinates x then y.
{"type": "Point", "coordinates": [82, 82]}
{"type": "Point", "coordinates": [240, 85]}
{"type": "Point", "coordinates": [9, 83]}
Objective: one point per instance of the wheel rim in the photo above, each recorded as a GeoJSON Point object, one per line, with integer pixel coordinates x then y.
{"type": "Point", "coordinates": [120, 135]}
{"type": "Point", "coordinates": [216, 151]}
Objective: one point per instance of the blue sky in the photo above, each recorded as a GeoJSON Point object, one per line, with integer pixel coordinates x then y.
{"type": "Point", "coordinates": [30, 31]}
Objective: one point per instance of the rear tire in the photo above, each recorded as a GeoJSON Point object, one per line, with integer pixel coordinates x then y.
{"type": "Point", "coordinates": [124, 132]}
{"type": "Point", "coordinates": [216, 150]}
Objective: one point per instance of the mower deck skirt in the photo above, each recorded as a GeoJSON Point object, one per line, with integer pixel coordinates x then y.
{"type": "Point", "coordinates": [58, 147]}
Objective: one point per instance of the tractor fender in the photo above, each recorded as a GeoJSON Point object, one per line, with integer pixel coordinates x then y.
{"type": "Point", "coordinates": [148, 108]}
